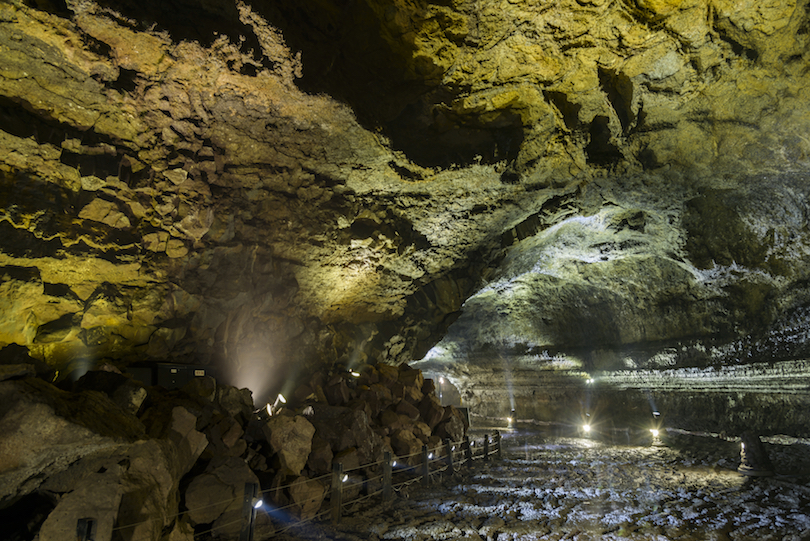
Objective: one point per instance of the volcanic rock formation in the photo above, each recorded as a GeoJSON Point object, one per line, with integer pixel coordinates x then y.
{"type": "Point", "coordinates": [586, 188]}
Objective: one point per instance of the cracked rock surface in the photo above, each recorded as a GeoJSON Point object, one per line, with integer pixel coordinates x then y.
{"type": "Point", "coordinates": [583, 187]}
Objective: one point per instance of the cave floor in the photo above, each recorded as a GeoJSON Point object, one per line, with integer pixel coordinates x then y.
{"type": "Point", "coordinates": [554, 486]}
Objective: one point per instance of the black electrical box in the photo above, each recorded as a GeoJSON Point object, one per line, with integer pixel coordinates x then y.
{"type": "Point", "coordinates": [168, 375]}
{"type": "Point", "coordinates": [174, 376]}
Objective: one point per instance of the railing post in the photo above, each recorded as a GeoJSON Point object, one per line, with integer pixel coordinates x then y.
{"type": "Point", "coordinates": [337, 491]}
{"type": "Point", "coordinates": [486, 446]}
{"type": "Point", "coordinates": [425, 466]}
{"type": "Point", "coordinates": [498, 442]}
{"type": "Point", "coordinates": [84, 529]}
{"type": "Point", "coordinates": [449, 446]}
{"type": "Point", "coordinates": [386, 491]}
{"type": "Point", "coordinates": [467, 450]}
{"type": "Point", "coordinates": [248, 512]}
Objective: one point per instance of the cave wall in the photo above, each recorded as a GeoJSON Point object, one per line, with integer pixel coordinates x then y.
{"type": "Point", "coordinates": [270, 187]}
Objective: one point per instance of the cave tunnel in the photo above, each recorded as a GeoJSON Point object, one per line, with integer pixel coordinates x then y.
{"type": "Point", "coordinates": [310, 256]}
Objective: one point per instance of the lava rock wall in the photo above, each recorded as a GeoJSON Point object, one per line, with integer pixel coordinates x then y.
{"type": "Point", "coordinates": [275, 188]}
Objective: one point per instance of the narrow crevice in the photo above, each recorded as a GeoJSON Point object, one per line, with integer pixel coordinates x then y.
{"type": "Point", "coordinates": [619, 91]}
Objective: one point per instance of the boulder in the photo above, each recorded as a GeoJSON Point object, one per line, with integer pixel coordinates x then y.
{"type": "Point", "coordinates": [291, 439]}
{"type": "Point", "coordinates": [151, 496]}
{"type": "Point", "coordinates": [382, 393]}
{"type": "Point", "coordinates": [369, 375]}
{"type": "Point", "coordinates": [225, 435]}
{"type": "Point", "coordinates": [124, 391]}
{"type": "Point", "coordinates": [99, 496]}
{"type": "Point", "coordinates": [431, 410]}
{"type": "Point", "coordinates": [182, 531]}
{"type": "Point", "coordinates": [428, 387]}
{"type": "Point", "coordinates": [204, 387]}
{"type": "Point", "coordinates": [16, 354]}
{"type": "Point", "coordinates": [337, 392]}
{"type": "Point", "coordinates": [215, 497]}
{"type": "Point", "coordinates": [135, 486]}
{"type": "Point", "coordinates": [45, 430]}
{"type": "Point", "coordinates": [362, 405]}
{"type": "Point", "coordinates": [391, 420]}
{"type": "Point", "coordinates": [307, 496]}
{"type": "Point", "coordinates": [388, 374]}
{"type": "Point", "coordinates": [421, 431]}
{"type": "Point", "coordinates": [13, 371]}
{"type": "Point", "coordinates": [451, 428]}
{"type": "Point", "coordinates": [407, 409]}
{"type": "Point", "coordinates": [407, 446]}
{"type": "Point", "coordinates": [187, 440]}
{"type": "Point", "coordinates": [411, 377]}
{"type": "Point", "coordinates": [344, 428]}
{"type": "Point", "coordinates": [320, 457]}
{"type": "Point", "coordinates": [237, 402]}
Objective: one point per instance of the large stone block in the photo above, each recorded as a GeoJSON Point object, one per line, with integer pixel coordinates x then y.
{"type": "Point", "coordinates": [237, 402]}
{"type": "Point", "coordinates": [411, 376]}
{"type": "Point", "coordinates": [408, 409]}
{"type": "Point", "coordinates": [431, 410]}
{"type": "Point", "coordinates": [42, 437]}
{"type": "Point", "coordinates": [307, 496]}
{"type": "Point", "coordinates": [320, 457]}
{"type": "Point", "coordinates": [216, 495]}
{"type": "Point", "coordinates": [291, 439]}
{"type": "Point", "coordinates": [407, 446]}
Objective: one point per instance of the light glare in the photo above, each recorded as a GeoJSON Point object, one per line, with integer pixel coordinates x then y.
{"type": "Point", "coordinates": [654, 432]}
{"type": "Point", "coordinates": [586, 428]}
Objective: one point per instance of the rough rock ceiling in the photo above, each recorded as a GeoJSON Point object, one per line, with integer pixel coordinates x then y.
{"type": "Point", "coordinates": [270, 186]}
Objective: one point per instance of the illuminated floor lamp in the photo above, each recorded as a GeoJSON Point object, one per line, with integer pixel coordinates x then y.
{"type": "Point", "coordinates": [754, 459]}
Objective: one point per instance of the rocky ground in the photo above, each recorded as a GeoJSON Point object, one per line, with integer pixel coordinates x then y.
{"type": "Point", "coordinates": [618, 486]}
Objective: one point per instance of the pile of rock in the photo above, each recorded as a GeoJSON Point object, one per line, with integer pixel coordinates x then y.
{"type": "Point", "coordinates": [146, 461]}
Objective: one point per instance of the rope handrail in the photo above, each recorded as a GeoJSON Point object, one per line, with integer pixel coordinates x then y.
{"type": "Point", "coordinates": [290, 485]}
{"type": "Point", "coordinates": [469, 455]}
{"type": "Point", "coordinates": [212, 528]}
{"type": "Point", "coordinates": [175, 515]}
{"type": "Point", "coordinates": [303, 521]}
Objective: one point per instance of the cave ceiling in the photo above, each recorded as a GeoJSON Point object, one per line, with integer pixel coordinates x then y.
{"type": "Point", "coordinates": [271, 186]}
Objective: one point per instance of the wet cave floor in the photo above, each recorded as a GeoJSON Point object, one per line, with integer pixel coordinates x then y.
{"type": "Point", "coordinates": [549, 485]}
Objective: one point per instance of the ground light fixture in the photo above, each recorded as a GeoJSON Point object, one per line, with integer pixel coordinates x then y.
{"type": "Point", "coordinates": [276, 406]}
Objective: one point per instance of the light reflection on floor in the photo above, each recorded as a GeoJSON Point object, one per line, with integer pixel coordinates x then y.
{"type": "Point", "coordinates": [552, 487]}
